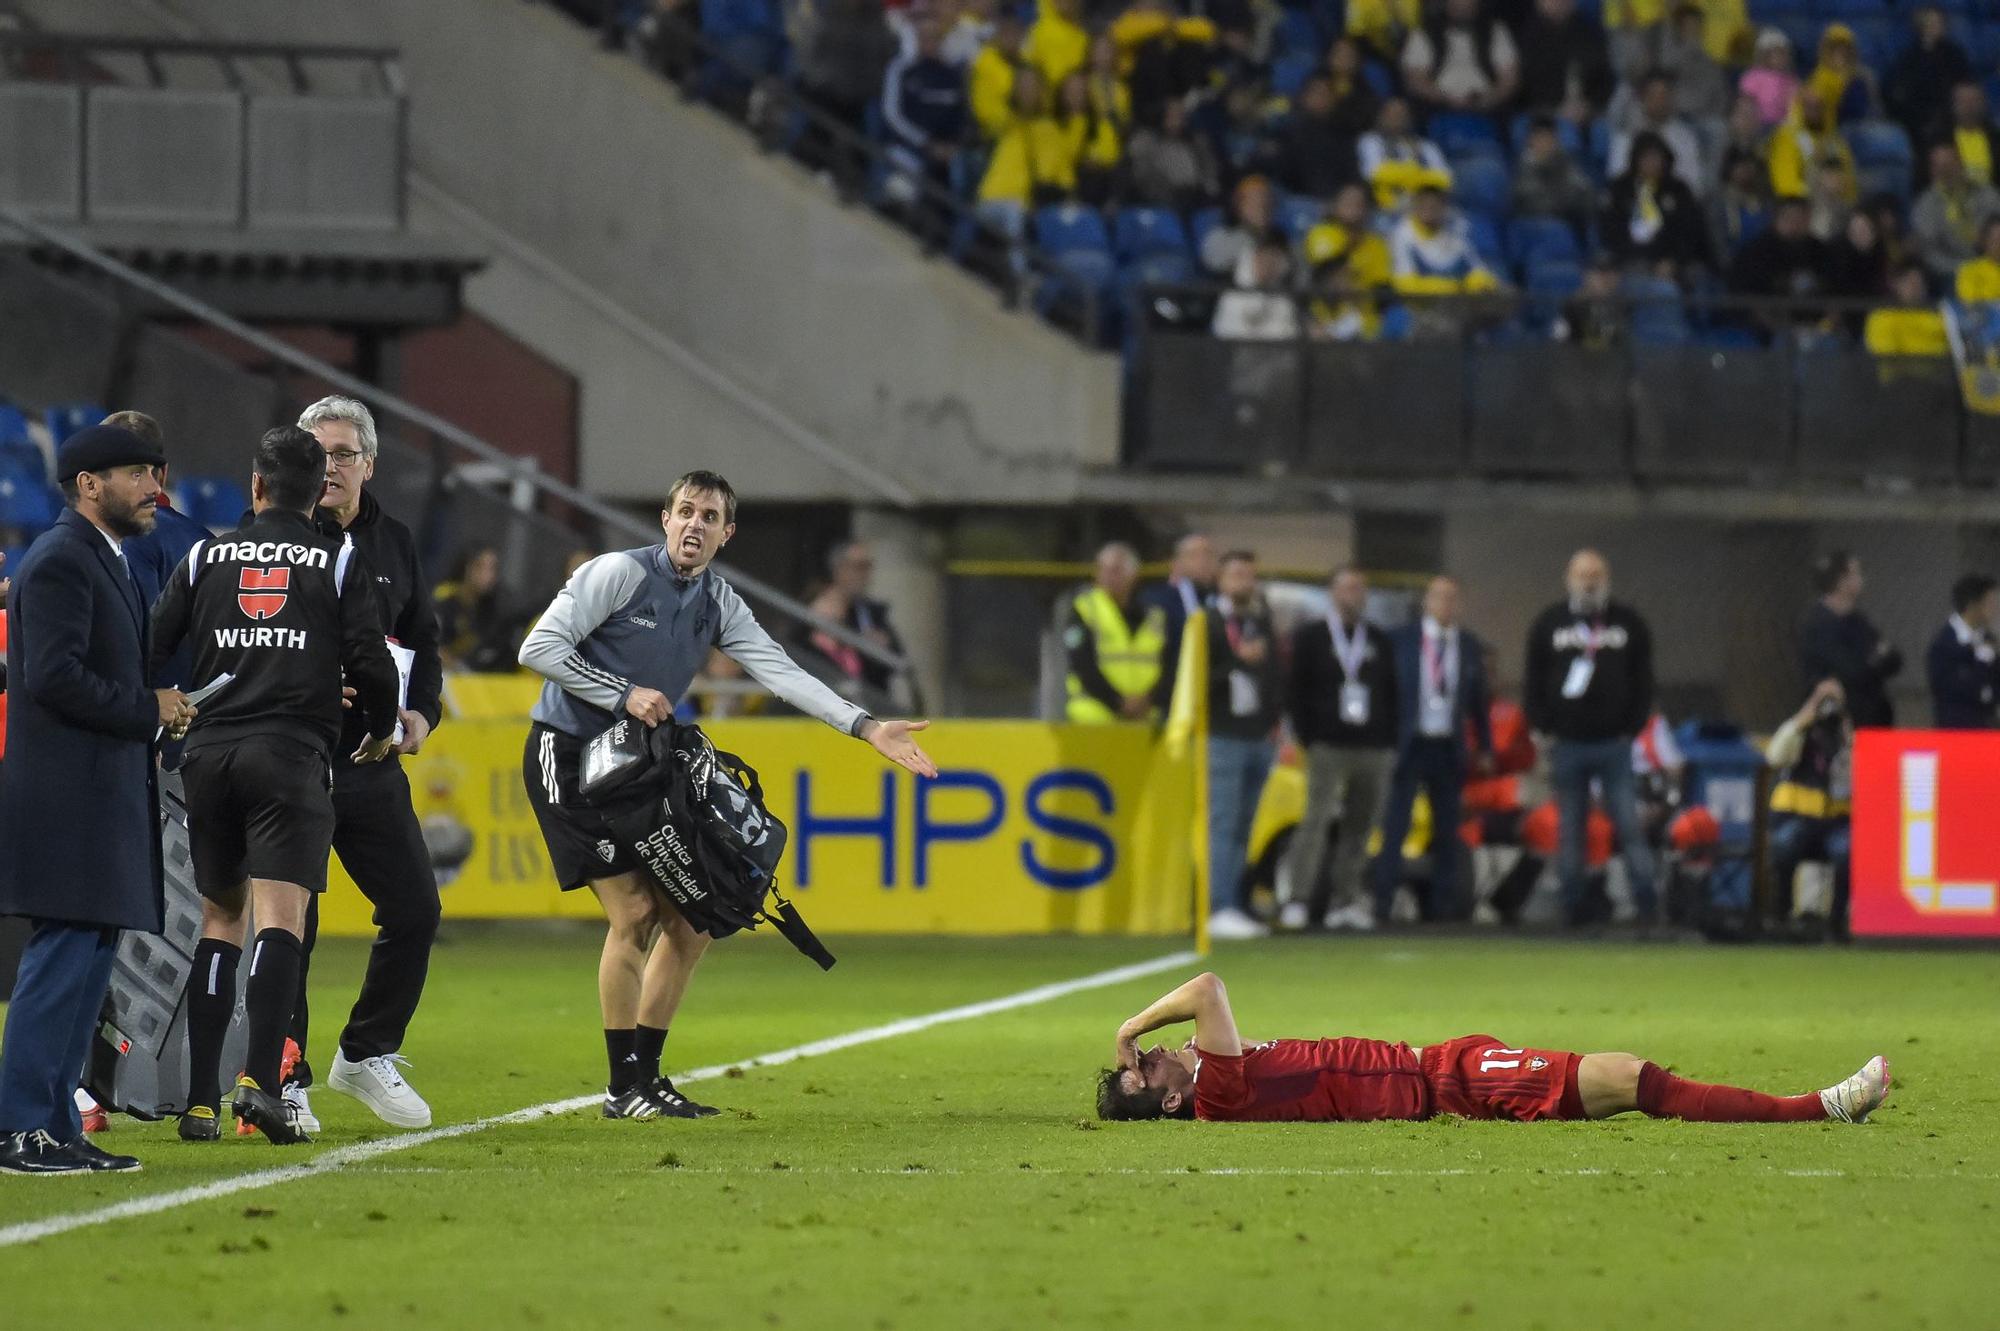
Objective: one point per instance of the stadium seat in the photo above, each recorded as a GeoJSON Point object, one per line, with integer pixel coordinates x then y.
{"type": "Point", "coordinates": [1298, 215]}
{"type": "Point", "coordinates": [1567, 133]}
{"type": "Point", "coordinates": [1804, 31]}
{"type": "Point", "coordinates": [28, 504]}
{"type": "Point", "coordinates": [1765, 12]}
{"type": "Point", "coordinates": [1142, 233]}
{"type": "Point", "coordinates": [1657, 316]}
{"type": "Point", "coordinates": [1299, 33]}
{"type": "Point", "coordinates": [1881, 37]}
{"type": "Point", "coordinates": [1200, 224]}
{"type": "Point", "coordinates": [65, 420]}
{"type": "Point", "coordinates": [214, 501]}
{"type": "Point", "coordinates": [1485, 235]}
{"type": "Point", "coordinates": [1846, 11]}
{"type": "Point", "coordinates": [1597, 148]}
{"type": "Point", "coordinates": [13, 424]}
{"type": "Point", "coordinates": [23, 458]}
{"type": "Point", "coordinates": [1380, 81]}
{"type": "Point", "coordinates": [1457, 132]}
{"type": "Point", "coordinates": [1069, 228]}
{"type": "Point", "coordinates": [1290, 71]}
{"type": "Point", "coordinates": [1483, 185]}
{"type": "Point", "coordinates": [1550, 282]}
{"type": "Point", "coordinates": [1883, 157]}
{"type": "Point", "coordinates": [1532, 239]}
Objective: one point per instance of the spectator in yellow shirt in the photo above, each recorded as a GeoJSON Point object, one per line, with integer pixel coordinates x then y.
{"type": "Point", "coordinates": [1057, 45]}
{"type": "Point", "coordinates": [1979, 277]}
{"type": "Point", "coordinates": [1384, 25]}
{"type": "Point", "coordinates": [992, 76]}
{"type": "Point", "coordinates": [1110, 95]}
{"type": "Point", "coordinates": [1725, 30]}
{"type": "Point", "coordinates": [1033, 163]}
{"type": "Point", "coordinates": [1347, 238]}
{"type": "Point", "coordinates": [1431, 251]}
{"type": "Point", "coordinates": [1806, 144]}
{"type": "Point", "coordinates": [1912, 326]}
{"type": "Point", "coordinates": [1396, 161]}
{"type": "Point", "coordinates": [1092, 142]}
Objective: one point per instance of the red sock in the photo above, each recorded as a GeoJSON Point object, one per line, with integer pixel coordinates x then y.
{"type": "Point", "coordinates": [1663, 1095]}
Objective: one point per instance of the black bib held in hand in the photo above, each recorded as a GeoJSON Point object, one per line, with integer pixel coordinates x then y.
{"type": "Point", "coordinates": [695, 816]}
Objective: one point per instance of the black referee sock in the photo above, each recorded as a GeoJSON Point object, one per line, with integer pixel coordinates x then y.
{"type": "Point", "coordinates": [274, 985]}
{"type": "Point", "coordinates": [621, 1050]}
{"type": "Point", "coordinates": [211, 992]}
{"type": "Point", "coordinates": [651, 1041]}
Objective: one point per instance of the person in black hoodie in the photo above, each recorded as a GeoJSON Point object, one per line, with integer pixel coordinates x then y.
{"type": "Point", "coordinates": [1653, 219]}
{"type": "Point", "coordinates": [1919, 83]}
{"type": "Point", "coordinates": [1342, 702]}
{"type": "Point", "coordinates": [1836, 641]}
{"type": "Point", "coordinates": [1565, 62]}
{"type": "Point", "coordinates": [1245, 689]}
{"type": "Point", "coordinates": [1315, 150]}
{"type": "Point", "coordinates": [1784, 260]}
{"type": "Point", "coordinates": [375, 831]}
{"type": "Point", "coordinates": [1588, 690]}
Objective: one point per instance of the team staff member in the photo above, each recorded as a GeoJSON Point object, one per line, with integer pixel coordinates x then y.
{"type": "Point", "coordinates": [375, 829]}
{"type": "Point", "coordinates": [80, 744]}
{"type": "Point", "coordinates": [1589, 687]}
{"type": "Point", "coordinates": [154, 557]}
{"type": "Point", "coordinates": [1837, 641]}
{"type": "Point", "coordinates": [1963, 661]}
{"type": "Point", "coordinates": [625, 637]}
{"type": "Point", "coordinates": [1116, 645]}
{"type": "Point", "coordinates": [284, 611]}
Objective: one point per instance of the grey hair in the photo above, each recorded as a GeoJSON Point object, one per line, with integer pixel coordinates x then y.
{"type": "Point", "coordinates": [338, 408]}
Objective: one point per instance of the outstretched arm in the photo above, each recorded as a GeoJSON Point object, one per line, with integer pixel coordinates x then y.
{"type": "Point", "coordinates": [1201, 1000]}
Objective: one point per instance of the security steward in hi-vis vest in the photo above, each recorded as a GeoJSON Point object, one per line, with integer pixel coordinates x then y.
{"type": "Point", "coordinates": [1115, 645]}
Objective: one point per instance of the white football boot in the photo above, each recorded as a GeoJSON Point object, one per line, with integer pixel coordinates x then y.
{"type": "Point", "coordinates": [1853, 1100]}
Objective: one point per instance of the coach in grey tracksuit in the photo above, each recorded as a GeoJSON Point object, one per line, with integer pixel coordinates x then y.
{"type": "Point", "coordinates": [626, 637]}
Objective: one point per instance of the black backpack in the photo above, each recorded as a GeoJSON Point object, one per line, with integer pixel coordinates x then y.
{"type": "Point", "coordinates": [695, 816]}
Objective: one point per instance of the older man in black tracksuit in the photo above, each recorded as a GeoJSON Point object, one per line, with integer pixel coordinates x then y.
{"type": "Point", "coordinates": [375, 828]}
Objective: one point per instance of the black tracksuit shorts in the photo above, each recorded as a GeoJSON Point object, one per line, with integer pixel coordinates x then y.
{"type": "Point", "coordinates": [258, 807]}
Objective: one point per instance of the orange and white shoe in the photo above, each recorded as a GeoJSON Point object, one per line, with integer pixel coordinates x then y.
{"type": "Point", "coordinates": [95, 1119]}
{"type": "Point", "coordinates": [1853, 1100]}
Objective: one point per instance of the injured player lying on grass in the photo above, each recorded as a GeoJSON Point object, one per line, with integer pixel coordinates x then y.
{"type": "Point", "coordinates": [1215, 1078]}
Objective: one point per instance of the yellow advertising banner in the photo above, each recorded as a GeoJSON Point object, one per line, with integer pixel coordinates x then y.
{"type": "Point", "coordinates": [1029, 828]}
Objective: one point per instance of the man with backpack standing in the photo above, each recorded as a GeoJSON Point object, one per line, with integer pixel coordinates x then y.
{"type": "Point", "coordinates": [624, 637]}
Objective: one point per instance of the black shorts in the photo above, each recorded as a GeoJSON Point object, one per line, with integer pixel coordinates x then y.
{"type": "Point", "coordinates": [259, 807]}
{"type": "Point", "coordinates": [581, 846]}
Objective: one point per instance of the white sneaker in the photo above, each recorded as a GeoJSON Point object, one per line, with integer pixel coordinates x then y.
{"type": "Point", "coordinates": [1355, 915]}
{"type": "Point", "coordinates": [1484, 914]}
{"type": "Point", "coordinates": [375, 1082]}
{"type": "Point", "coordinates": [1853, 1100]}
{"type": "Point", "coordinates": [1292, 916]}
{"type": "Point", "coordinates": [1234, 924]}
{"type": "Point", "coordinates": [302, 1112]}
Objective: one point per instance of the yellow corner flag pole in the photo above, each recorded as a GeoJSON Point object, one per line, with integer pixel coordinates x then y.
{"type": "Point", "coordinates": [1187, 735]}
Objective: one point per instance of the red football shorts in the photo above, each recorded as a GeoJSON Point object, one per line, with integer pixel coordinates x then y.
{"type": "Point", "coordinates": [1477, 1076]}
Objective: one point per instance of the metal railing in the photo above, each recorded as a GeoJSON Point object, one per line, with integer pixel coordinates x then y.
{"type": "Point", "coordinates": [446, 447]}
{"type": "Point", "coordinates": [1704, 389]}
{"type": "Point", "coordinates": [74, 57]}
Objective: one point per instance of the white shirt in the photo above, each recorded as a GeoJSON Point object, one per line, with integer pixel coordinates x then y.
{"type": "Point", "coordinates": [1438, 642]}
{"type": "Point", "coordinates": [1189, 594]}
{"type": "Point", "coordinates": [1459, 73]}
{"type": "Point", "coordinates": [1980, 643]}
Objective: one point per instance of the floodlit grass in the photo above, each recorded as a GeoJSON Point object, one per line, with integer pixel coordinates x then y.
{"type": "Point", "coordinates": [956, 1178]}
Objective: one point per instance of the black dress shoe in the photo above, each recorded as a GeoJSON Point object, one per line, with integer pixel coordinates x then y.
{"type": "Point", "coordinates": [39, 1154]}
{"type": "Point", "coordinates": [100, 1161]}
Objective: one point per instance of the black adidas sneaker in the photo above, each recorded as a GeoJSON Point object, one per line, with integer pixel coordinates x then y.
{"type": "Point", "coordinates": [678, 1105]}
{"type": "Point", "coordinates": [276, 1117]}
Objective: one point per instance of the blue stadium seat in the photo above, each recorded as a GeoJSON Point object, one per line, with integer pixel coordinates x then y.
{"type": "Point", "coordinates": [1804, 31]}
{"type": "Point", "coordinates": [28, 504]}
{"type": "Point", "coordinates": [1531, 240]}
{"type": "Point", "coordinates": [13, 424]}
{"type": "Point", "coordinates": [1883, 157]}
{"type": "Point", "coordinates": [1380, 81]}
{"type": "Point", "coordinates": [1763, 12]}
{"type": "Point", "coordinates": [1483, 185]}
{"type": "Point", "coordinates": [1298, 215]}
{"type": "Point", "coordinates": [1597, 148]}
{"type": "Point", "coordinates": [1567, 133]}
{"type": "Point", "coordinates": [1141, 233]}
{"type": "Point", "coordinates": [214, 501]}
{"type": "Point", "coordinates": [1203, 221]}
{"type": "Point", "coordinates": [1290, 71]}
{"type": "Point", "coordinates": [1070, 228]}
{"type": "Point", "coordinates": [1457, 132]}
{"type": "Point", "coordinates": [65, 420]}
{"type": "Point", "coordinates": [1299, 33]}
{"type": "Point", "coordinates": [1554, 277]}
{"type": "Point", "coordinates": [20, 457]}
{"type": "Point", "coordinates": [1847, 10]}
{"type": "Point", "coordinates": [1485, 235]}
{"type": "Point", "coordinates": [1658, 318]}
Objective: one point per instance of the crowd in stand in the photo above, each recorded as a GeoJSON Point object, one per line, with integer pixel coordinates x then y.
{"type": "Point", "coordinates": [1344, 156]}
{"type": "Point", "coordinates": [1574, 769]}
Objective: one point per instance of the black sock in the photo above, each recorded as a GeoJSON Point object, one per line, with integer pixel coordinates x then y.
{"type": "Point", "coordinates": [651, 1040]}
{"type": "Point", "coordinates": [621, 1050]}
{"type": "Point", "coordinates": [211, 994]}
{"type": "Point", "coordinates": [274, 984]}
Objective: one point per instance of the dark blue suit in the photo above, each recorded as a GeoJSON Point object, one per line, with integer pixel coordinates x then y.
{"type": "Point", "coordinates": [153, 559]}
{"type": "Point", "coordinates": [1436, 763]}
{"type": "Point", "coordinates": [79, 811]}
{"type": "Point", "coordinates": [1167, 597]}
{"type": "Point", "coordinates": [1963, 687]}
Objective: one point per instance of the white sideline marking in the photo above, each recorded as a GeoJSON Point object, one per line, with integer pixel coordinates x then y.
{"type": "Point", "coordinates": [1197, 1171]}
{"type": "Point", "coordinates": [362, 1152]}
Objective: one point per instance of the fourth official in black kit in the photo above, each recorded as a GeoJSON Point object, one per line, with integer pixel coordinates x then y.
{"type": "Point", "coordinates": [274, 614]}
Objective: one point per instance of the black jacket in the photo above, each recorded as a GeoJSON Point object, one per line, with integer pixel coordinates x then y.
{"type": "Point", "coordinates": [1680, 239]}
{"type": "Point", "coordinates": [1315, 679]}
{"type": "Point", "coordinates": [1266, 676]}
{"type": "Point", "coordinates": [1964, 688]}
{"type": "Point", "coordinates": [1550, 51]}
{"type": "Point", "coordinates": [285, 610]}
{"type": "Point", "coordinates": [1850, 649]}
{"type": "Point", "coordinates": [403, 603]}
{"type": "Point", "coordinates": [1619, 697]}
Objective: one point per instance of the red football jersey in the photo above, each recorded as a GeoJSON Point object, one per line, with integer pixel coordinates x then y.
{"type": "Point", "coordinates": [1285, 1081]}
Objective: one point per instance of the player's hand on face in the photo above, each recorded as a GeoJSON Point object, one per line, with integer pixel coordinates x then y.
{"type": "Point", "coordinates": [375, 750]}
{"type": "Point", "coordinates": [1127, 1050]}
{"type": "Point", "coordinates": [892, 740]}
{"type": "Point", "coordinates": [649, 705]}
{"type": "Point", "coordinates": [415, 731]}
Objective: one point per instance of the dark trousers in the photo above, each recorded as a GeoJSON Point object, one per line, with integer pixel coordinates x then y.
{"type": "Point", "coordinates": [1438, 767]}
{"type": "Point", "coordinates": [65, 970]}
{"type": "Point", "coordinates": [376, 835]}
{"type": "Point", "coordinates": [1795, 841]}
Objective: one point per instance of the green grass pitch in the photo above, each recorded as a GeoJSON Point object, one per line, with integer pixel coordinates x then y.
{"type": "Point", "coordinates": [956, 1178]}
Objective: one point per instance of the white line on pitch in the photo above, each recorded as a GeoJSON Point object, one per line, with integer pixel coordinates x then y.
{"type": "Point", "coordinates": [347, 1156]}
{"type": "Point", "coordinates": [1196, 1171]}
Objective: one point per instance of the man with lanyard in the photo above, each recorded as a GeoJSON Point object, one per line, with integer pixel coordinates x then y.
{"type": "Point", "coordinates": [375, 829]}
{"type": "Point", "coordinates": [284, 613]}
{"type": "Point", "coordinates": [624, 637]}
{"type": "Point", "coordinates": [1588, 691]}
{"type": "Point", "coordinates": [1440, 690]}
{"type": "Point", "coordinates": [1343, 710]}
{"type": "Point", "coordinates": [1243, 697]}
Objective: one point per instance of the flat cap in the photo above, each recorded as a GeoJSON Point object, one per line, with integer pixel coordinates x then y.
{"type": "Point", "coordinates": [102, 447]}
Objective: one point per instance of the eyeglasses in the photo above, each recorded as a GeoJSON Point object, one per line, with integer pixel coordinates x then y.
{"type": "Point", "coordinates": [346, 457]}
